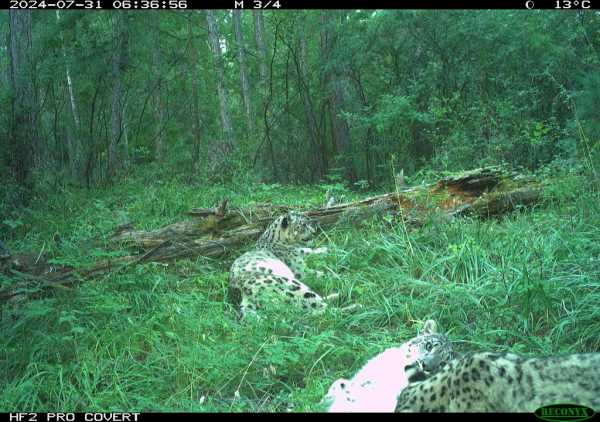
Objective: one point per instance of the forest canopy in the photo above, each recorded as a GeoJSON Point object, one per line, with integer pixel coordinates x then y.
{"type": "Point", "coordinates": [345, 96]}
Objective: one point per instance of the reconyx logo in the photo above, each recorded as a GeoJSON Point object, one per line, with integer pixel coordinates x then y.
{"type": "Point", "coordinates": [564, 413]}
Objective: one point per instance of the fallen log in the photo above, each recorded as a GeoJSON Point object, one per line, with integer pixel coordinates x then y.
{"type": "Point", "coordinates": [214, 232]}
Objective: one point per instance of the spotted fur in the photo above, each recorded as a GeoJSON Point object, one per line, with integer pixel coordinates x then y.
{"type": "Point", "coordinates": [276, 267]}
{"type": "Point", "coordinates": [376, 386]}
{"type": "Point", "coordinates": [505, 382]}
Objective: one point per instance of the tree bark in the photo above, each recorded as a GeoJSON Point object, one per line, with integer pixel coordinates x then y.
{"type": "Point", "coordinates": [319, 158]}
{"type": "Point", "coordinates": [159, 142]}
{"type": "Point", "coordinates": [268, 99]}
{"type": "Point", "coordinates": [195, 118]}
{"type": "Point", "coordinates": [24, 119]}
{"type": "Point", "coordinates": [263, 91]}
{"type": "Point", "coordinates": [124, 129]}
{"type": "Point", "coordinates": [74, 138]}
{"type": "Point", "coordinates": [241, 56]}
{"type": "Point", "coordinates": [340, 132]}
{"type": "Point", "coordinates": [5, 72]}
{"type": "Point", "coordinates": [290, 146]}
{"type": "Point", "coordinates": [215, 47]}
{"type": "Point", "coordinates": [369, 138]}
{"type": "Point", "coordinates": [261, 47]}
{"type": "Point", "coordinates": [119, 62]}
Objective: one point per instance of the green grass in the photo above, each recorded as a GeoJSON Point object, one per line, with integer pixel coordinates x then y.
{"type": "Point", "coordinates": [157, 337]}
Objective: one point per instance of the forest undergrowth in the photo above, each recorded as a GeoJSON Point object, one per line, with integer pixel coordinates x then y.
{"type": "Point", "coordinates": [160, 337]}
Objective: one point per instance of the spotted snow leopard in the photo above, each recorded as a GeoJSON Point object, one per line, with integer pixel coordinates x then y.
{"type": "Point", "coordinates": [276, 267]}
{"type": "Point", "coordinates": [504, 382]}
{"type": "Point", "coordinates": [377, 384]}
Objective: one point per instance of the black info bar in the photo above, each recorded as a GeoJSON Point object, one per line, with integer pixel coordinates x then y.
{"type": "Point", "coordinates": [274, 5]}
{"type": "Point", "coordinates": [74, 417]}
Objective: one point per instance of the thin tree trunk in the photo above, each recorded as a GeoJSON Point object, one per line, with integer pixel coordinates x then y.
{"type": "Point", "coordinates": [196, 129]}
{"type": "Point", "coordinates": [215, 47]}
{"type": "Point", "coordinates": [369, 138]}
{"type": "Point", "coordinates": [268, 100]}
{"type": "Point", "coordinates": [23, 130]}
{"type": "Point", "coordinates": [124, 124]}
{"type": "Point", "coordinates": [336, 96]}
{"type": "Point", "coordinates": [259, 30]}
{"type": "Point", "coordinates": [73, 137]}
{"type": "Point", "coordinates": [288, 119]}
{"type": "Point", "coordinates": [261, 54]}
{"type": "Point", "coordinates": [5, 71]}
{"type": "Point", "coordinates": [92, 150]}
{"type": "Point", "coordinates": [118, 67]}
{"type": "Point", "coordinates": [159, 143]}
{"type": "Point", "coordinates": [340, 130]}
{"type": "Point", "coordinates": [116, 98]}
{"type": "Point", "coordinates": [313, 129]}
{"type": "Point", "coordinates": [241, 55]}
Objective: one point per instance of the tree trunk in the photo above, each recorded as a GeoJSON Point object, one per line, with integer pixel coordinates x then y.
{"type": "Point", "coordinates": [369, 138]}
{"type": "Point", "coordinates": [241, 56]}
{"type": "Point", "coordinates": [196, 128]}
{"type": "Point", "coordinates": [23, 129]}
{"type": "Point", "coordinates": [313, 129]}
{"type": "Point", "coordinates": [259, 30]}
{"type": "Point", "coordinates": [215, 47]}
{"type": "Point", "coordinates": [263, 85]}
{"type": "Point", "coordinates": [92, 149]}
{"type": "Point", "coordinates": [290, 146]}
{"type": "Point", "coordinates": [340, 129]}
{"type": "Point", "coordinates": [340, 132]}
{"type": "Point", "coordinates": [5, 71]}
{"type": "Point", "coordinates": [267, 104]}
{"type": "Point", "coordinates": [159, 142]}
{"type": "Point", "coordinates": [124, 127]}
{"type": "Point", "coordinates": [74, 136]}
{"type": "Point", "coordinates": [118, 67]}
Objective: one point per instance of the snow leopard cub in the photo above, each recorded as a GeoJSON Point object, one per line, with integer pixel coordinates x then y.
{"type": "Point", "coordinates": [377, 384]}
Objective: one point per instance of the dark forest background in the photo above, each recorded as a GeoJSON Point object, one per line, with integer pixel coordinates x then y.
{"type": "Point", "coordinates": [292, 96]}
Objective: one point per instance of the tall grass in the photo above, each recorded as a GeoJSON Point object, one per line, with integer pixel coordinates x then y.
{"type": "Point", "coordinates": [163, 337]}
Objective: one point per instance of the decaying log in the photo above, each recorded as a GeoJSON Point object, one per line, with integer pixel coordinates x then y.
{"type": "Point", "coordinates": [214, 232]}
{"type": "Point", "coordinates": [498, 203]}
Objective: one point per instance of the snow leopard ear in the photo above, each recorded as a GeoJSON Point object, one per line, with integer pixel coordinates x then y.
{"type": "Point", "coordinates": [430, 327]}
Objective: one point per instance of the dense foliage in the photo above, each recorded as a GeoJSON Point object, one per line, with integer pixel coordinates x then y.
{"type": "Point", "coordinates": [343, 95]}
